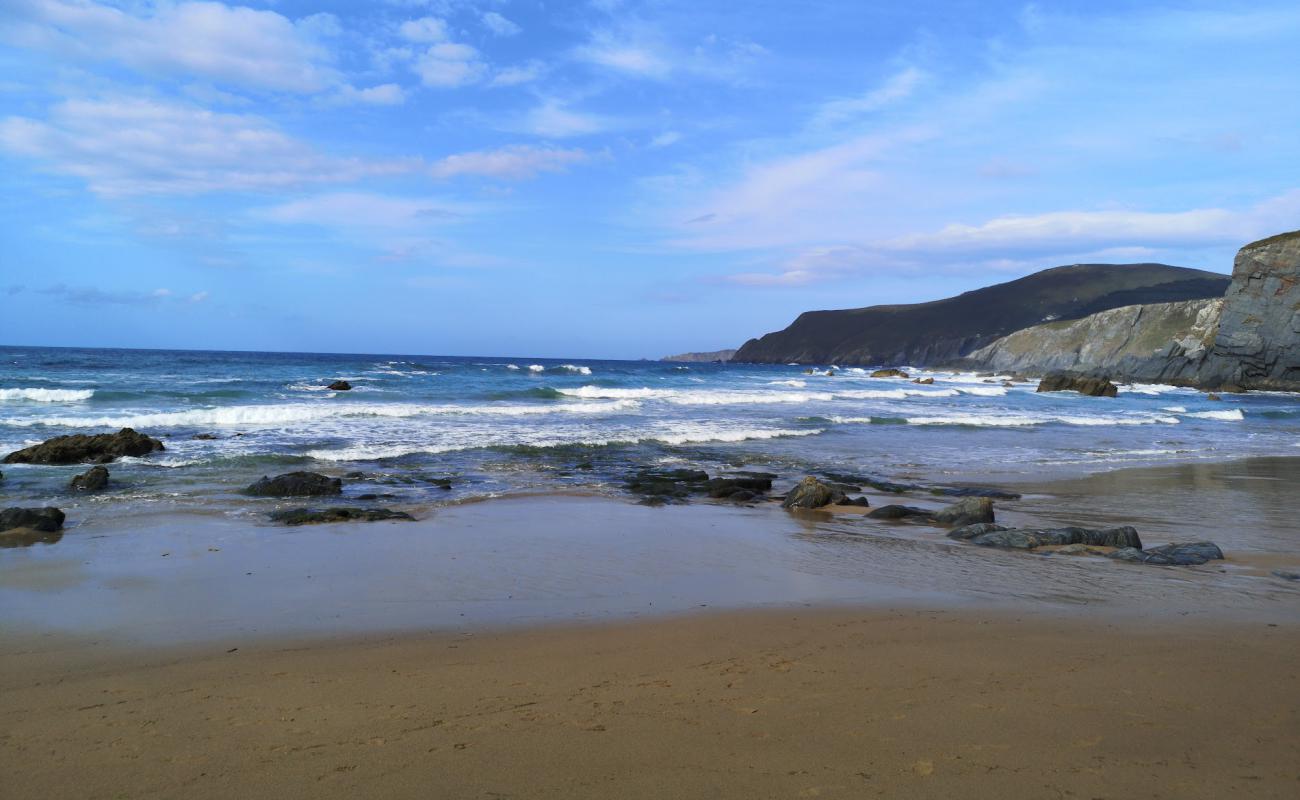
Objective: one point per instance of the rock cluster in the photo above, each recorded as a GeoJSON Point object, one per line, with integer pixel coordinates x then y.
{"type": "Point", "coordinates": [78, 448]}
{"type": "Point", "coordinates": [306, 516]}
{"type": "Point", "coordinates": [659, 486]}
{"type": "Point", "coordinates": [1083, 384]}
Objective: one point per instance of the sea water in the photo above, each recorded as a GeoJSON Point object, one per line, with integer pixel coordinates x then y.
{"type": "Point", "coordinates": [493, 426]}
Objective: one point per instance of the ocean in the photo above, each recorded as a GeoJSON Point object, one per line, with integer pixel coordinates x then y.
{"type": "Point", "coordinates": [494, 426]}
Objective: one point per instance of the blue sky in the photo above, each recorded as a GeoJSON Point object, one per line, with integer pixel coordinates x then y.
{"type": "Point", "coordinates": [610, 179]}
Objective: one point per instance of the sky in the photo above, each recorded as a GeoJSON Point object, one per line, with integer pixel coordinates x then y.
{"type": "Point", "coordinates": [610, 179]}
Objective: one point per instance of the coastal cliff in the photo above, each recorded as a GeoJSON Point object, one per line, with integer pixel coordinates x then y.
{"type": "Point", "coordinates": [1160, 341]}
{"type": "Point", "coordinates": [701, 358]}
{"type": "Point", "coordinates": [946, 330]}
{"type": "Point", "coordinates": [1249, 339]}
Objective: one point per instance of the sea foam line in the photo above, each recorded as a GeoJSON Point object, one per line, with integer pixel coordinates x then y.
{"type": "Point", "coordinates": [47, 395]}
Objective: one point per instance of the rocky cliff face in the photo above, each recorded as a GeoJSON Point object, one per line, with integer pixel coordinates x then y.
{"type": "Point", "coordinates": [1258, 342]}
{"type": "Point", "coordinates": [945, 330]}
{"type": "Point", "coordinates": [1157, 342]}
{"type": "Point", "coordinates": [1250, 338]}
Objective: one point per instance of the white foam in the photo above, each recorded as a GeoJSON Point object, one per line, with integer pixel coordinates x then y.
{"type": "Point", "coordinates": [575, 368]}
{"type": "Point", "coordinates": [680, 435]}
{"type": "Point", "coordinates": [1020, 420]}
{"type": "Point", "coordinates": [984, 391]}
{"type": "Point", "coordinates": [536, 368]}
{"type": "Point", "coordinates": [895, 394]}
{"type": "Point", "coordinates": [297, 413]}
{"type": "Point", "coordinates": [1232, 414]}
{"type": "Point", "coordinates": [512, 366]}
{"type": "Point", "coordinates": [795, 384]}
{"type": "Point", "coordinates": [47, 395]}
{"type": "Point", "coordinates": [1175, 409]}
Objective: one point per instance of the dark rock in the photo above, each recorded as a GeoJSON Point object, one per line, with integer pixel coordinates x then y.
{"type": "Point", "coordinates": [1030, 538]}
{"type": "Point", "coordinates": [78, 448]}
{"type": "Point", "coordinates": [340, 386]}
{"type": "Point", "coordinates": [659, 486]}
{"type": "Point", "coordinates": [728, 487]}
{"type": "Point", "coordinates": [860, 502]}
{"type": "Point", "coordinates": [1174, 554]}
{"type": "Point", "coordinates": [900, 512]}
{"type": "Point", "coordinates": [205, 437]}
{"type": "Point", "coordinates": [1083, 384]}
{"type": "Point", "coordinates": [975, 491]}
{"type": "Point", "coordinates": [1212, 396]}
{"type": "Point", "coordinates": [1286, 576]}
{"type": "Point", "coordinates": [45, 520]}
{"type": "Point", "coordinates": [305, 516]}
{"type": "Point", "coordinates": [812, 493]}
{"type": "Point", "coordinates": [94, 479]}
{"type": "Point", "coordinates": [971, 531]}
{"type": "Point", "coordinates": [969, 511]}
{"type": "Point", "coordinates": [889, 373]}
{"type": "Point", "coordinates": [924, 381]}
{"type": "Point", "coordinates": [296, 484]}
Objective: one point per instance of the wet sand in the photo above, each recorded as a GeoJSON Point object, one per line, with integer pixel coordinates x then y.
{"type": "Point", "coordinates": [808, 703]}
{"type": "Point", "coordinates": [721, 652]}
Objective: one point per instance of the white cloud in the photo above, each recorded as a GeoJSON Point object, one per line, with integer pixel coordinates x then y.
{"type": "Point", "coordinates": [424, 30]}
{"type": "Point", "coordinates": [133, 146]}
{"type": "Point", "coordinates": [522, 73]}
{"type": "Point", "coordinates": [365, 210]}
{"type": "Point", "coordinates": [898, 87]}
{"type": "Point", "coordinates": [553, 119]}
{"type": "Point", "coordinates": [235, 46]}
{"type": "Point", "coordinates": [666, 139]}
{"type": "Point", "coordinates": [628, 55]}
{"type": "Point", "coordinates": [449, 65]}
{"type": "Point", "coordinates": [499, 24]}
{"type": "Point", "coordinates": [515, 162]}
{"type": "Point", "coordinates": [385, 94]}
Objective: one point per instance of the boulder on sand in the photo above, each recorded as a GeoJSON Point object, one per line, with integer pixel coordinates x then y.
{"type": "Point", "coordinates": [812, 493]}
{"type": "Point", "coordinates": [46, 520]}
{"type": "Point", "coordinates": [94, 479]}
{"type": "Point", "coordinates": [1185, 554]}
{"type": "Point", "coordinates": [1083, 384]}
{"type": "Point", "coordinates": [296, 484]}
{"type": "Point", "coordinates": [79, 448]}
{"type": "Point", "coordinates": [894, 511]}
{"type": "Point", "coordinates": [968, 511]}
{"type": "Point", "coordinates": [340, 386]}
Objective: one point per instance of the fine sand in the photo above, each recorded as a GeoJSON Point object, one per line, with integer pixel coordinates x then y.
{"type": "Point", "coordinates": [786, 703]}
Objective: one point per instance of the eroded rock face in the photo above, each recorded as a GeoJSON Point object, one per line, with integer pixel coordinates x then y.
{"type": "Point", "coordinates": [1083, 384]}
{"type": "Point", "coordinates": [94, 479]}
{"type": "Point", "coordinates": [78, 448]}
{"type": "Point", "coordinates": [296, 484]}
{"type": "Point", "coordinates": [1258, 341]}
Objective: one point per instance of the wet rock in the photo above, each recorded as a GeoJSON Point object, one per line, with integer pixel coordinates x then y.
{"type": "Point", "coordinates": [812, 493]}
{"type": "Point", "coordinates": [889, 373]}
{"type": "Point", "coordinates": [296, 484]}
{"type": "Point", "coordinates": [45, 520]}
{"type": "Point", "coordinates": [901, 512]}
{"type": "Point", "coordinates": [205, 437]}
{"type": "Point", "coordinates": [924, 381]}
{"type": "Point", "coordinates": [860, 502]}
{"type": "Point", "coordinates": [975, 491]}
{"type": "Point", "coordinates": [1212, 396]}
{"type": "Point", "coordinates": [306, 516]}
{"type": "Point", "coordinates": [1174, 554]}
{"type": "Point", "coordinates": [731, 487]}
{"type": "Point", "coordinates": [971, 531]}
{"type": "Point", "coordinates": [968, 511]}
{"type": "Point", "coordinates": [94, 479]}
{"type": "Point", "coordinates": [340, 386]}
{"type": "Point", "coordinates": [1031, 538]}
{"type": "Point", "coordinates": [1285, 575]}
{"type": "Point", "coordinates": [1083, 384]}
{"type": "Point", "coordinates": [78, 448]}
{"type": "Point", "coordinates": [658, 486]}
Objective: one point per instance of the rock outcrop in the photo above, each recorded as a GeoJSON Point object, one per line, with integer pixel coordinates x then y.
{"type": "Point", "coordinates": [296, 484]}
{"type": "Point", "coordinates": [943, 331]}
{"type": "Point", "coordinates": [722, 356]}
{"type": "Point", "coordinates": [94, 479]}
{"type": "Point", "coordinates": [812, 493]}
{"type": "Point", "coordinates": [78, 448]}
{"type": "Point", "coordinates": [1249, 339]}
{"type": "Point", "coordinates": [1072, 382]}
{"type": "Point", "coordinates": [340, 386]}
{"type": "Point", "coordinates": [46, 520]}
{"type": "Point", "coordinates": [306, 516]}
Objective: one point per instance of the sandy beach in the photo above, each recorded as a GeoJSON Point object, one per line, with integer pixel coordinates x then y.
{"type": "Point", "coordinates": [793, 703]}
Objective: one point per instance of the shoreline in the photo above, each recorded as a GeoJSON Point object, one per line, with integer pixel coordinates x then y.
{"type": "Point", "coordinates": [775, 703]}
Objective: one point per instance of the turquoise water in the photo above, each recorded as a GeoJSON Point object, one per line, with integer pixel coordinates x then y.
{"type": "Point", "coordinates": [497, 426]}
